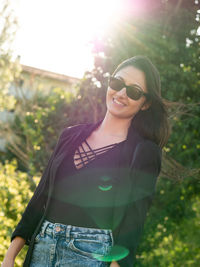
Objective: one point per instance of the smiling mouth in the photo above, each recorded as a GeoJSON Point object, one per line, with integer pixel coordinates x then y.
{"type": "Point", "coordinates": [118, 103]}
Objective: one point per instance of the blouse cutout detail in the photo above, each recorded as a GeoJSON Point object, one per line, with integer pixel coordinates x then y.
{"type": "Point", "coordinates": [84, 153]}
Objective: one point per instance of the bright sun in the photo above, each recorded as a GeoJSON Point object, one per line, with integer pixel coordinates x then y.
{"type": "Point", "coordinates": [93, 16]}
{"type": "Point", "coordinates": [55, 34]}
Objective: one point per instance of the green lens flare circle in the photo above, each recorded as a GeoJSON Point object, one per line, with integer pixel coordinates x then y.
{"type": "Point", "coordinates": [105, 188]}
{"type": "Point", "coordinates": [116, 253]}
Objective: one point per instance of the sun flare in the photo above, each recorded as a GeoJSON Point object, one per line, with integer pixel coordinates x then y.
{"type": "Point", "coordinates": [56, 35]}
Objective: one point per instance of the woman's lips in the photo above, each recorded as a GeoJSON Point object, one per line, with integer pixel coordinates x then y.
{"type": "Point", "coordinates": [118, 103]}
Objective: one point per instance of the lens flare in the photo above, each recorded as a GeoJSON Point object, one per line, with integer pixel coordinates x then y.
{"type": "Point", "coordinates": [116, 253]}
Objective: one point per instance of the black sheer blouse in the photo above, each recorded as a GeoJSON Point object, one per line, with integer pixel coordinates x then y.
{"type": "Point", "coordinates": [83, 192]}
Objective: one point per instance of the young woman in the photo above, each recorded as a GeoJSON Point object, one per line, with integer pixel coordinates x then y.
{"type": "Point", "coordinates": [91, 203]}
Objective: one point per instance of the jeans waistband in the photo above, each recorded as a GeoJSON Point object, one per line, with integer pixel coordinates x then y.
{"type": "Point", "coordinates": [73, 231]}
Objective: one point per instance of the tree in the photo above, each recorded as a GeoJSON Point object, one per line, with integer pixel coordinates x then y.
{"type": "Point", "coordinates": [9, 70]}
{"type": "Point", "coordinates": [166, 32]}
{"type": "Point", "coordinates": [157, 31]}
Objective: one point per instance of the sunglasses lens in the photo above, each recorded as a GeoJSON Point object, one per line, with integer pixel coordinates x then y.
{"type": "Point", "coordinates": [115, 84]}
{"type": "Point", "coordinates": [134, 93]}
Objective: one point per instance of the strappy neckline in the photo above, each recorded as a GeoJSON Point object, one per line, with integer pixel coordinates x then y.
{"type": "Point", "coordinates": [88, 156]}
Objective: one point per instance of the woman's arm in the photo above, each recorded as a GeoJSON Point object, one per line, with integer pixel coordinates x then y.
{"type": "Point", "coordinates": [114, 264]}
{"type": "Point", "coordinates": [35, 207]}
{"type": "Point", "coordinates": [146, 165]}
{"type": "Point", "coordinates": [13, 250]}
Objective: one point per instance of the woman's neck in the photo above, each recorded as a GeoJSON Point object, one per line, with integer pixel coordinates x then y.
{"type": "Point", "coordinates": [114, 126]}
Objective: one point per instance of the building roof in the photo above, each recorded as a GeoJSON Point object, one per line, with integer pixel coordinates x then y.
{"type": "Point", "coordinates": [49, 74]}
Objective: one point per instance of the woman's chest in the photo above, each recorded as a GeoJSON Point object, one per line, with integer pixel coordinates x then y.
{"type": "Point", "coordinates": [92, 147]}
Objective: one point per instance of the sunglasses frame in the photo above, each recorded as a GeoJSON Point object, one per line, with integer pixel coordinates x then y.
{"type": "Point", "coordinates": [129, 89]}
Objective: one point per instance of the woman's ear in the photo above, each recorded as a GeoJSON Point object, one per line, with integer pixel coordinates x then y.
{"type": "Point", "coordinates": [146, 105]}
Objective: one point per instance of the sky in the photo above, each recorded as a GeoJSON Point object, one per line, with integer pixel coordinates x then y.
{"type": "Point", "coordinates": [55, 34]}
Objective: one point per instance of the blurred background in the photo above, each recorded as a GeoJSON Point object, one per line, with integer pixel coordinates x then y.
{"type": "Point", "coordinates": [55, 59]}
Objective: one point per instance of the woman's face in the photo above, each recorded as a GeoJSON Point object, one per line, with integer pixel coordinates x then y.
{"type": "Point", "coordinates": [118, 103]}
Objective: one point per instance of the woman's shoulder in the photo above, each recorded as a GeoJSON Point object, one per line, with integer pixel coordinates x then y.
{"type": "Point", "coordinates": [148, 146]}
{"type": "Point", "coordinates": [142, 142]}
{"type": "Point", "coordinates": [74, 128]}
{"type": "Point", "coordinates": [148, 150]}
{"type": "Point", "coordinates": [147, 157]}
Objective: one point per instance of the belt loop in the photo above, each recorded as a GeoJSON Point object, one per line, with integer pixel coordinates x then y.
{"type": "Point", "coordinates": [68, 232]}
{"type": "Point", "coordinates": [44, 226]}
{"type": "Point", "coordinates": [111, 235]}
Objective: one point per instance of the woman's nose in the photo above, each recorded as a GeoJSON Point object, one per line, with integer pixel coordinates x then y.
{"type": "Point", "coordinates": [122, 92]}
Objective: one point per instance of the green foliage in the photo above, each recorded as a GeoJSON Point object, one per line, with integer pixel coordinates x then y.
{"type": "Point", "coordinates": [90, 104]}
{"type": "Point", "coordinates": [171, 233]}
{"type": "Point", "coordinates": [14, 195]}
{"type": "Point", "coordinates": [36, 126]}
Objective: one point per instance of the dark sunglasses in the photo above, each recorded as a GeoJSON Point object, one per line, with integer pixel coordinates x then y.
{"type": "Point", "coordinates": [133, 91]}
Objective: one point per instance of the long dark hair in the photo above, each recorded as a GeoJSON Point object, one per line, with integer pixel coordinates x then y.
{"type": "Point", "coordinates": [151, 123]}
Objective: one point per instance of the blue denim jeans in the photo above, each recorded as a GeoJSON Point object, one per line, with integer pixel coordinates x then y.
{"type": "Point", "coordinates": [59, 245]}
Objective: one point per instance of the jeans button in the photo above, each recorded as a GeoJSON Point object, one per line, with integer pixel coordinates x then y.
{"type": "Point", "coordinates": [58, 228]}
